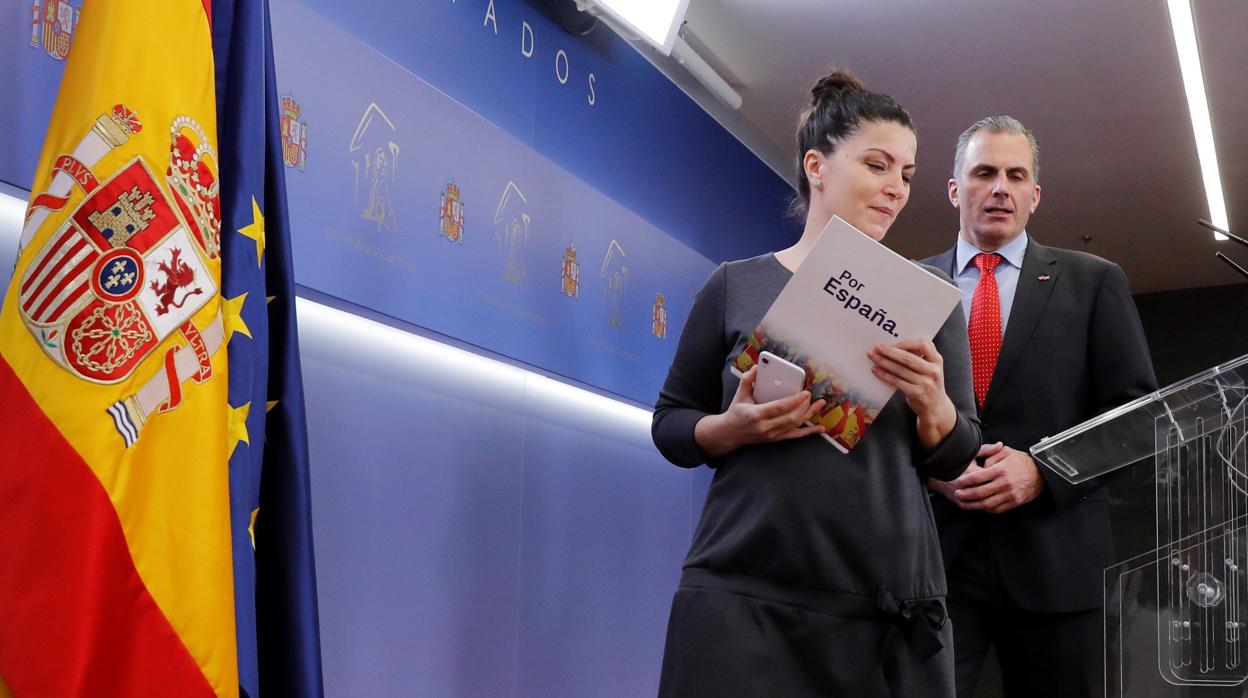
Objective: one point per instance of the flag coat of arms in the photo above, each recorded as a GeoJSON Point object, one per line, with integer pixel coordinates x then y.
{"type": "Point", "coordinates": [135, 337]}
{"type": "Point", "coordinates": [53, 26]}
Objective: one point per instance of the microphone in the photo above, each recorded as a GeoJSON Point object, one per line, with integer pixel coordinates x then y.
{"type": "Point", "coordinates": [1231, 262]}
{"type": "Point", "coordinates": [1242, 271]}
{"type": "Point", "coordinates": [1220, 231]}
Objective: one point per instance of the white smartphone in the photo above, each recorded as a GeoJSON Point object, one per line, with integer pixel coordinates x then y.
{"type": "Point", "coordinates": [777, 378]}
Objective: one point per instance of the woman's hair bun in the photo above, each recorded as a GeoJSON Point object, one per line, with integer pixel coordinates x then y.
{"type": "Point", "coordinates": [839, 105]}
{"type": "Point", "coordinates": [834, 85]}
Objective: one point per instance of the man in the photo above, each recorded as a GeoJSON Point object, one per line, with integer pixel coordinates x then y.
{"type": "Point", "coordinates": [1055, 340]}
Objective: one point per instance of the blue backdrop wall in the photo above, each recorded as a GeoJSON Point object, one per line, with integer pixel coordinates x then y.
{"type": "Point", "coordinates": [482, 529]}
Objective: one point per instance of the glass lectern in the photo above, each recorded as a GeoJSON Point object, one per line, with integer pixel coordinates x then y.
{"type": "Point", "coordinates": [1177, 466]}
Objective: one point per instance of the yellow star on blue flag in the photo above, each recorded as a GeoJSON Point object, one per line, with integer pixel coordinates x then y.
{"type": "Point", "coordinates": [237, 429]}
{"type": "Point", "coordinates": [232, 317]}
{"type": "Point", "coordinates": [255, 230]}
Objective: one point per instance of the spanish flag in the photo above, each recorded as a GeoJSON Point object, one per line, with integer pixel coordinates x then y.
{"type": "Point", "coordinates": [131, 480]}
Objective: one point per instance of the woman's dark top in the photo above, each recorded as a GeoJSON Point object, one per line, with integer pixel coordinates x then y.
{"type": "Point", "coordinates": [800, 514]}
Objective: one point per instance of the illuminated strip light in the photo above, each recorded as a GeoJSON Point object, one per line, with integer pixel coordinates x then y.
{"type": "Point", "coordinates": [431, 352]}
{"type": "Point", "coordinates": [1198, 106]}
{"type": "Point", "coordinates": [370, 332]}
{"type": "Point", "coordinates": [12, 211]}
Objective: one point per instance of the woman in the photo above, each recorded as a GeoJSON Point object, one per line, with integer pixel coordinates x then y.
{"type": "Point", "coordinates": [813, 572]}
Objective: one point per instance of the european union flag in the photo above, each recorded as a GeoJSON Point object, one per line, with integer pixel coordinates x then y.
{"type": "Point", "coordinates": [274, 571]}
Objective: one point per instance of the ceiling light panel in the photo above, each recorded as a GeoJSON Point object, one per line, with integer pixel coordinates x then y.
{"type": "Point", "coordinates": [1184, 28]}
{"type": "Point", "coordinates": [655, 20]}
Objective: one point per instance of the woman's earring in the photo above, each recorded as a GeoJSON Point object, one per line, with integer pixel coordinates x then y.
{"type": "Point", "coordinates": [818, 183]}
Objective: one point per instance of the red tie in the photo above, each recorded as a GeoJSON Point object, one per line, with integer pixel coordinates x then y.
{"type": "Point", "coordinates": [984, 328]}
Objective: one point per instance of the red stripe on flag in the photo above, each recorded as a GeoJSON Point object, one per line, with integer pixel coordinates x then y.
{"type": "Point", "coordinates": [70, 299]}
{"type": "Point", "coordinates": [75, 618]}
{"type": "Point", "coordinates": [69, 278]}
{"type": "Point", "coordinates": [67, 235]}
{"type": "Point", "coordinates": [50, 274]}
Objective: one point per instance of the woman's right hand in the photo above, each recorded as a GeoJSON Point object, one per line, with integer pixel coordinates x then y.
{"type": "Point", "coordinates": [747, 422]}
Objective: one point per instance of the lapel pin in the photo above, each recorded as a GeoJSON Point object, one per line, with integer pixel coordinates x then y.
{"type": "Point", "coordinates": [1042, 277]}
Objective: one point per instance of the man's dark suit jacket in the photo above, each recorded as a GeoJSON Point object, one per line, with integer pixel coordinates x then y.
{"type": "Point", "coordinates": [1073, 348]}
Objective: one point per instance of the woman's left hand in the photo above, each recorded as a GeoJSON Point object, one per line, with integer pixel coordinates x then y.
{"type": "Point", "coordinates": [917, 369]}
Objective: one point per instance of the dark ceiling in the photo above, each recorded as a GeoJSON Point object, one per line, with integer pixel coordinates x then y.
{"type": "Point", "coordinates": [1098, 82]}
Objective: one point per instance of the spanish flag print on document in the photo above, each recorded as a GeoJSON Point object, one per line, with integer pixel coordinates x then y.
{"type": "Point", "coordinates": [137, 393]}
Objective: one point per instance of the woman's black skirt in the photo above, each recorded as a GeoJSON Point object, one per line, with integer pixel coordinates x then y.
{"type": "Point", "coordinates": [730, 635]}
